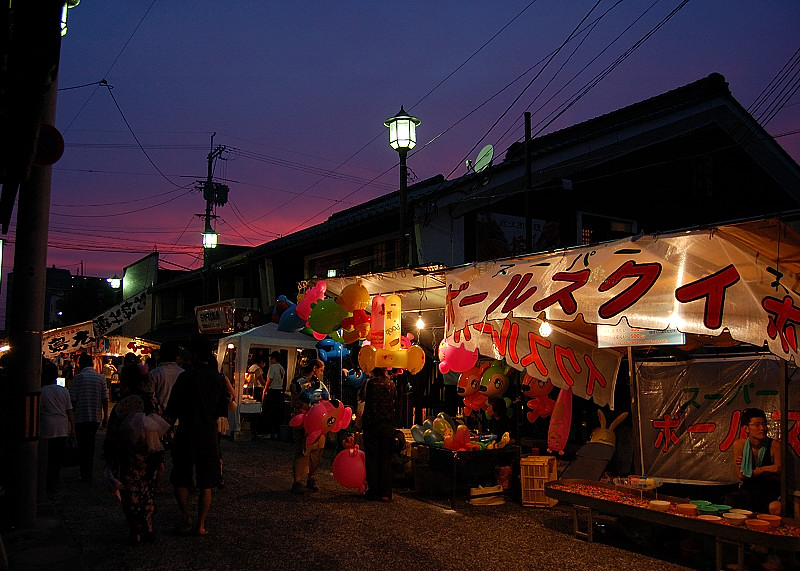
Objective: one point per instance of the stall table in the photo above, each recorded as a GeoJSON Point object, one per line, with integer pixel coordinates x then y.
{"type": "Point", "coordinates": [593, 496]}
{"type": "Point", "coordinates": [468, 468]}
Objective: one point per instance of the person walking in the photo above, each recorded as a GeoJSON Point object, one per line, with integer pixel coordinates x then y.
{"type": "Point", "coordinates": [134, 451]}
{"type": "Point", "coordinates": [378, 394]}
{"type": "Point", "coordinates": [57, 423]}
{"type": "Point", "coordinates": [198, 399]}
{"type": "Point", "coordinates": [89, 397]}
{"type": "Point", "coordinates": [163, 377]}
{"type": "Point", "coordinates": [274, 389]}
{"type": "Point", "coordinates": [307, 390]}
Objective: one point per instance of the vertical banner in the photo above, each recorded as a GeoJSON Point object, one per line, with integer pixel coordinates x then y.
{"type": "Point", "coordinates": [690, 414]}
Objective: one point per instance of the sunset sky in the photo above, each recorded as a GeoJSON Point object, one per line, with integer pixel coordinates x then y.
{"type": "Point", "coordinates": [297, 92]}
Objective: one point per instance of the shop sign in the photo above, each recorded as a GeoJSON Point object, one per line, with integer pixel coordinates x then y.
{"type": "Point", "coordinates": [215, 317]}
{"type": "Point", "coordinates": [623, 335]}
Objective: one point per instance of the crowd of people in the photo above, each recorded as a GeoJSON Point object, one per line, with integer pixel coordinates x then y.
{"type": "Point", "coordinates": [168, 405]}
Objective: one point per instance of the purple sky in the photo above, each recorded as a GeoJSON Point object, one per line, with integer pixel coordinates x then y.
{"type": "Point", "coordinates": [298, 92]}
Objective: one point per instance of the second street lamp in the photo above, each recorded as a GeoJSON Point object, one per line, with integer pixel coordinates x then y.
{"type": "Point", "coordinates": [402, 138]}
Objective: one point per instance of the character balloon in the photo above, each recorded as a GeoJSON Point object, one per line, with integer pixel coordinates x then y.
{"type": "Point", "coordinates": [456, 358]}
{"type": "Point", "coordinates": [538, 393]}
{"type": "Point", "coordinates": [323, 417]}
{"type": "Point", "coordinates": [560, 422]}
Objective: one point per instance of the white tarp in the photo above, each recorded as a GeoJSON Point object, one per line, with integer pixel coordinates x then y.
{"type": "Point", "coordinates": [731, 279]}
{"type": "Point", "coordinates": [266, 337]}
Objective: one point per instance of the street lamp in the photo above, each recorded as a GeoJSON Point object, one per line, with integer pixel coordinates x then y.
{"type": "Point", "coordinates": [209, 237]}
{"type": "Point", "coordinates": [114, 282]}
{"type": "Point", "coordinates": [402, 138]}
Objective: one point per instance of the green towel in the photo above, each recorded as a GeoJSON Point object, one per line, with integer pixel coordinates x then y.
{"type": "Point", "coordinates": [747, 459]}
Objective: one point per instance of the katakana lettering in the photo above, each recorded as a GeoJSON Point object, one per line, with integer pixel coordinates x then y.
{"type": "Point", "coordinates": [743, 388]}
{"type": "Point", "coordinates": [712, 288]}
{"type": "Point", "coordinates": [695, 391]}
{"type": "Point", "coordinates": [564, 296]}
{"type": "Point", "coordinates": [562, 355]}
{"type": "Point", "coordinates": [513, 291]}
{"type": "Point", "coordinates": [534, 342]}
{"type": "Point", "coordinates": [646, 275]}
{"type": "Point", "coordinates": [782, 320]}
{"type": "Point", "coordinates": [666, 435]}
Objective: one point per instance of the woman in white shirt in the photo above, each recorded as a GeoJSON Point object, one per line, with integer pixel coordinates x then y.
{"type": "Point", "coordinates": [57, 422]}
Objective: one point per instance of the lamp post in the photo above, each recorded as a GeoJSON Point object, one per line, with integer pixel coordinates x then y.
{"type": "Point", "coordinates": [402, 138]}
{"type": "Point", "coordinates": [114, 282]}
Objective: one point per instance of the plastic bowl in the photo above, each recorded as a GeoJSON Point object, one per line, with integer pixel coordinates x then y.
{"type": "Point", "coordinates": [700, 503]}
{"type": "Point", "coordinates": [659, 505]}
{"type": "Point", "coordinates": [707, 510]}
{"type": "Point", "coordinates": [722, 507]}
{"type": "Point", "coordinates": [747, 513]}
{"type": "Point", "coordinates": [757, 524]}
{"type": "Point", "coordinates": [734, 518]}
{"type": "Point", "coordinates": [773, 520]}
{"type": "Point", "coordinates": [709, 517]}
{"type": "Point", "coordinates": [687, 509]}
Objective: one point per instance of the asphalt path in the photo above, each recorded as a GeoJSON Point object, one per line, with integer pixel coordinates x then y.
{"type": "Point", "coordinates": [257, 523]}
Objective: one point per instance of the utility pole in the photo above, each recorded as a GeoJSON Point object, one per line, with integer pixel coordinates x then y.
{"type": "Point", "coordinates": [215, 194]}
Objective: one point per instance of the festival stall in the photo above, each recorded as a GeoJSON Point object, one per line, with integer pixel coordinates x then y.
{"type": "Point", "coordinates": [236, 348]}
{"type": "Point", "coordinates": [568, 317]}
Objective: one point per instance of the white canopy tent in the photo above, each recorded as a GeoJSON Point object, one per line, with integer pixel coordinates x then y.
{"type": "Point", "coordinates": [262, 337]}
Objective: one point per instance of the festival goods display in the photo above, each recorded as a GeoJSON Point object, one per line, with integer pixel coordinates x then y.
{"type": "Point", "coordinates": [392, 355]}
{"type": "Point", "coordinates": [538, 393]}
{"type": "Point", "coordinates": [323, 417]}
{"type": "Point", "coordinates": [349, 469]}
{"type": "Point", "coordinates": [355, 299]}
{"type": "Point", "coordinates": [560, 422]}
{"type": "Point", "coordinates": [444, 432]}
{"type": "Point", "coordinates": [494, 379]}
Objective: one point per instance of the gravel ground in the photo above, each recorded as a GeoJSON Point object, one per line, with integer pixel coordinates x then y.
{"type": "Point", "coordinates": [256, 523]}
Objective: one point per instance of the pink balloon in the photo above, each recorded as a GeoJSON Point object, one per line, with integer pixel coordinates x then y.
{"type": "Point", "coordinates": [349, 469]}
{"type": "Point", "coordinates": [456, 359]}
{"type": "Point", "coordinates": [322, 418]}
{"type": "Point", "coordinates": [313, 295]}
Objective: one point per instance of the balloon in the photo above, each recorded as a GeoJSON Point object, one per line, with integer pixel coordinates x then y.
{"type": "Point", "coordinates": [538, 393]}
{"type": "Point", "coordinates": [328, 350]}
{"type": "Point", "coordinates": [326, 317]}
{"type": "Point", "coordinates": [418, 433]}
{"type": "Point", "coordinates": [560, 422]}
{"type": "Point", "coordinates": [281, 305]}
{"type": "Point", "coordinates": [376, 321]}
{"type": "Point", "coordinates": [431, 437]}
{"type": "Point", "coordinates": [312, 296]}
{"type": "Point", "coordinates": [441, 426]}
{"type": "Point", "coordinates": [354, 297]}
{"type": "Point", "coordinates": [355, 377]}
{"type": "Point", "coordinates": [323, 417]}
{"type": "Point", "coordinates": [453, 424]}
{"type": "Point", "coordinates": [412, 359]}
{"type": "Point", "coordinates": [457, 359]}
{"type": "Point", "coordinates": [391, 324]}
{"type": "Point", "coordinates": [289, 321]}
{"type": "Point", "coordinates": [469, 382]}
{"type": "Point", "coordinates": [349, 469]}
{"type": "Point", "coordinates": [494, 379]}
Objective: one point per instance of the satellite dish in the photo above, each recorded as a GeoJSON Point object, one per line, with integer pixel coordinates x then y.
{"type": "Point", "coordinates": [484, 158]}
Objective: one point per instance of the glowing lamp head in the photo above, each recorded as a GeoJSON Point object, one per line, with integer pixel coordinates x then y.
{"type": "Point", "coordinates": [545, 330]}
{"type": "Point", "coordinates": [114, 282]}
{"type": "Point", "coordinates": [210, 238]}
{"type": "Point", "coordinates": [402, 130]}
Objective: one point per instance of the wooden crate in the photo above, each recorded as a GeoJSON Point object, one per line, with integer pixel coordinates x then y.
{"type": "Point", "coordinates": [535, 471]}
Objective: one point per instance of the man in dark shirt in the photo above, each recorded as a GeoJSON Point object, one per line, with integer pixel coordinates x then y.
{"type": "Point", "coordinates": [378, 394]}
{"type": "Point", "coordinates": [198, 399]}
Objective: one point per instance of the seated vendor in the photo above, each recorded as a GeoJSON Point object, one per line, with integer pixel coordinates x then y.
{"type": "Point", "coordinates": [758, 465]}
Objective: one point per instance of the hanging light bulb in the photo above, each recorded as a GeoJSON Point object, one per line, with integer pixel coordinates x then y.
{"type": "Point", "coordinates": [420, 322]}
{"type": "Point", "coordinates": [545, 330]}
